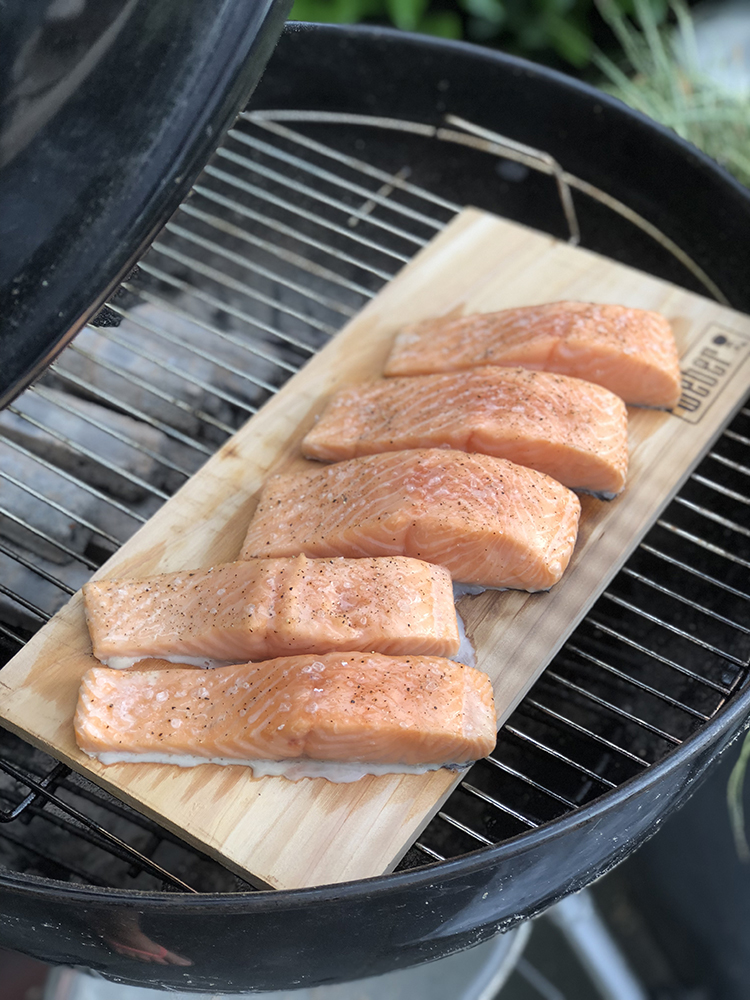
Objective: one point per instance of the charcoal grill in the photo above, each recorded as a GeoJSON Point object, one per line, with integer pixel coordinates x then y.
{"type": "Point", "coordinates": [341, 168]}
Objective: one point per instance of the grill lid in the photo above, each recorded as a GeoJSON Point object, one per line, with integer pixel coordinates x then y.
{"type": "Point", "coordinates": [108, 110]}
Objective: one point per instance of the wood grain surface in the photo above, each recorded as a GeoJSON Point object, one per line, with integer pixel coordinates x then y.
{"type": "Point", "coordinates": [284, 834]}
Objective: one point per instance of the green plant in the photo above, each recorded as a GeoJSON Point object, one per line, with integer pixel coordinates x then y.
{"type": "Point", "coordinates": [409, 15]}
{"type": "Point", "coordinates": [541, 29]}
{"type": "Point", "coordinates": [661, 78]}
{"type": "Point", "coordinates": [531, 27]}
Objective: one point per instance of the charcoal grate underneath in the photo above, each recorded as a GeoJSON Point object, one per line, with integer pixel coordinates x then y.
{"type": "Point", "coordinates": [291, 229]}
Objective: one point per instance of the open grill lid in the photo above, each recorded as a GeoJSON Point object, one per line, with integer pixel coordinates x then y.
{"type": "Point", "coordinates": [108, 110]}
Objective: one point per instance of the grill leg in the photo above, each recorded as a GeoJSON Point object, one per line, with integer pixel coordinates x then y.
{"type": "Point", "coordinates": [578, 921]}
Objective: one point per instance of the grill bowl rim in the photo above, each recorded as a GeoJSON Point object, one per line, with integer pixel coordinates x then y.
{"type": "Point", "coordinates": [726, 724]}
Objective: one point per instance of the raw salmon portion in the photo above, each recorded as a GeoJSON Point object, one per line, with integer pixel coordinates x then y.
{"type": "Point", "coordinates": [260, 608]}
{"type": "Point", "coordinates": [487, 520]}
{"type": "Point", "coordinates": [573, 430]}
{"type": "Point", "coordinates": [631, 352]}
{"type": "Point", "coordinates": [337, 707]}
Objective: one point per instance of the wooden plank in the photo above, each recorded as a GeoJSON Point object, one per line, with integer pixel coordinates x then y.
{"type": "Point", "coordinates": [283, 834]}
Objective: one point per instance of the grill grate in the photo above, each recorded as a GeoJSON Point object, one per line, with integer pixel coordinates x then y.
{"type": "Point", "coordinates": [289, 232]}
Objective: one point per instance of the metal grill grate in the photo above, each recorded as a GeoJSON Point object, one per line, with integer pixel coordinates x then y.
{"type": "Point", "coordinates": [289, 231]}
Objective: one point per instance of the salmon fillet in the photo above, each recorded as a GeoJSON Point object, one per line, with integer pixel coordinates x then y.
{"type": "Point", "coordinates": [349, 707]}
{"type": "Point", "coordinates": [485, 519]}
{"type": "Point", "coordinates": [259, 608]}
{"type": "Point", "coordinates": [573, 430]}
{"type": "Point", "coordinates": [631, 352]}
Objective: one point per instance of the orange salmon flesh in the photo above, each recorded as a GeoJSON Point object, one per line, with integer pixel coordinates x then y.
{"type": "Point", "coordinates": [487, 520]}
{"type": "Point", "coordinates": [337, 707]}
{"type": "Point", "coordinates": [260, 608]}
{"type": "Point", "coordinates": [631, 352]}
{"type": "Point", "coordinates": [574, 431]}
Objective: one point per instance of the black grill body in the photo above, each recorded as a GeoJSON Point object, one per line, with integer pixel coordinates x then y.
{"type": "Point", "coordinates": [278, 940]}
{"type": "Point", "coordinates": [238, 940]}
{"type": "Point", "coordinates": [109, 111]}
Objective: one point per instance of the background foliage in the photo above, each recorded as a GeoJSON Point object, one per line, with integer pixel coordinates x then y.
{"type": "Point", "coordinates": [659, 73]}
{"type": "Point", "coordinates": [561, 32]}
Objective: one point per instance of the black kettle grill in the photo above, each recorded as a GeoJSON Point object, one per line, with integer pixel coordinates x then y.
{"type": "Point", "coordinates": [356, 147]}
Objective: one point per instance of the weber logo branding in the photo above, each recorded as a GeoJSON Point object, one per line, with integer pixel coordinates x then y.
{"type": "Point", "coordinates": [707, 367]}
